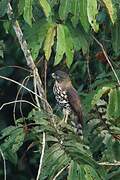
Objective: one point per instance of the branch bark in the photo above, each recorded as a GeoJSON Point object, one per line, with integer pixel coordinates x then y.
{"type": "Point", "coordinates": [45, 105]}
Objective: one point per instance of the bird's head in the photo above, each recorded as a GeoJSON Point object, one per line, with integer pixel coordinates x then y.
{"type": "Point", "coordinates": [60, 76]}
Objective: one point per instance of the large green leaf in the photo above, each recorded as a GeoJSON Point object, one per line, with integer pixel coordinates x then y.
{"type": "Point", "coordinates": [116, 38]}
{"type": "Point", "coordinates": [49, 41]}
{"type": "Point", "coordinates": [90, 173]}
{"type": "Point", "coordinates": [64, 45]}
{"type": "Point", "coordinates": [46, 8]}
{"type": "Point", "coordinates": [55, 159]}
{"type": "Point", "coordinates": [69, 51]}
{"type": "Point", "coordinates": [83, 15]}
{"type": "Point", "coordinates": [113, 109]}
{"type": "Point", "coordinates": [13, 140]}
{"type": "Point", "coordinates": [99, 94]}
{"type": "Point", "coordinates": [75, 10]}
{"type": "Point", "coordinates": [80, 39]}
{"type": "Point", "coordinates": [64, 9]}
{"type": "Point", "coordinates": [28, 12]}
{"type": "Point", "coordinates": [73, 171]}
{"type": "Point", "coordinates": [92, 12]}
{"type": "Point", "coordinates": [79, 153]}
{"type": "Point", "coordinates": [3, 7]}
{"type": "Point", "coordinates": [35, 35]}
{"type": "Point", "coordinates": [60, 49]}
{"type": "Point", "coordinates": [21, 5]}
{"type": "Point", "coordinates": [111, 10]}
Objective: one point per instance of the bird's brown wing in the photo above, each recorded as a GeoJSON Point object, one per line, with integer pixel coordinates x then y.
{"type": "Point", "coordinates": [75, 103]}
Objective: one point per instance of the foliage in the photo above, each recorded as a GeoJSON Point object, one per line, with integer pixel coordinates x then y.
{"type": "Point", "coordinates": [61, 34]}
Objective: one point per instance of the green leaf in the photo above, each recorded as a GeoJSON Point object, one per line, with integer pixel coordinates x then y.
{"type": "Point", "coordinates": [46, 8]}
{"type": "Point", "coordinates": [35, 36]}
{"type": "Point", "coordinates": [64, 9]}
{"type": "Point", "coordinates": [79, 153]}
{"type": "Point", "coordinates": [90, 173]}
{"type": "Point", "coordinates": [3, 7]}
{"type": "Point", "coordinates": [69, 51]}
{"type": "Point", "coordinates": [13, 140]}
{"type": "Point", "coordinates": [113, 109]}
{"type": "Point", "coordinates": [6, 131]}
{"type": "Point", "coordinates": [111, 10]}
{"type": "Point", "coordinates": [99, 94]}
{"type": "Point", "coordinates": [64, 45]}
{"type": "Point", "coordinates": [21, 5]}
{"type": "Point", "coordinates": [75, 10]}
{"type": "Point", "coordinates": [55, 159]}
{"type": "Point", "coordinates": [115, 32]}
{"type": "Point", "coordinates": [92, 12]}
{"type": "Point", "coordinates": [80, 39]}
{"type": "Point", "coordinates": [83, 15]}
{"type": "Point", "coordinates": [49, 41]}
{"type": "Point", "coordinates": [73, 171]}
{"type": "Point", "coordinates": [60, 49]}
{"type": "Point", "coordinates": [28, 12]}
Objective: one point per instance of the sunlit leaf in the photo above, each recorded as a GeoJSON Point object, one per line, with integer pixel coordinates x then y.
{"type": "Point", "coordinates": [99, 94]}
{"type": "Point", "coordinates": [111, 10]}
{"type": "Point", "coordinates": [60, 49]}
{"type": "Point", "coordinates": [68, 46]}
{"type": "Point", "coordinates": [28, 12]}
{"type": "Point", "coordinates": [49, 41]}
{"type": "Point", "coordinates": [83, 15]}
{"type": "Point", "coordinates": [64, 9]}
{"type": "Point", "coordinates": [116, 38]}
{"type": "Point", "coordinates": [46, 7]}
{"type": "Point", "coordinates": [113, 109]}
{"type": "Point", "coordinates": [90, 173]}
{"type": "Point", "coordinates": [64, 45]}
{"type": "Point", "coordinates": [92, 12]}
{"type": "Point", "coordinates": [75, 10]}
{"type": "Point", "coordinates": [35, 36]}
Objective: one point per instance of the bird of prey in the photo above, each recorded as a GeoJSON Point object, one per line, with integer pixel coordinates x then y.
{"type": "Point", "coordinates": [66, 96]}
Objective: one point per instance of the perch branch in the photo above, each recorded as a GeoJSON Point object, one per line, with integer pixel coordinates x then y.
{"type": "Point", "coordinates": [28, 58]}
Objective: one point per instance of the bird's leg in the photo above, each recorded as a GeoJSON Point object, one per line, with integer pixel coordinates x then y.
{"type": "Point", "coordinates": [65, 117]}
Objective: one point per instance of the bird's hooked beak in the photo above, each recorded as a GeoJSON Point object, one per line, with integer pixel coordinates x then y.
{"type": "Point", "coordinates": [53, 75]}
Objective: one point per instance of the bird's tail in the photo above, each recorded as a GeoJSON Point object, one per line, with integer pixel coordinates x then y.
{"type": "Point", "coordinates": [79, 123]}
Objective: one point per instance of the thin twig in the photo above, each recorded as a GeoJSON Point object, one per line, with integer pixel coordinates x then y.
{"type": "Point", "coordinates": [35, 89]}
{"type": "Point", "coordinates": [42, 155]}
{"type": "Point", "coordinates": [5, 174]}
{"type": "Point", "coordinates": [45, 77]}
{"type": "Point", "coordinates": [117, 163]}
{"type": "Point", "coordinates": [14, 66]}
{"type": "Point", "coordinates": [59, 172]}
{"type": "Point", "coordinates": [28, 57]}
{"type": "Point", "coordinates": [18, 101]}
{"type": "Point", "coordinates": [29, 90]}
{"type": "Point", "coordinates": [108, 60]}
{"type": "Point", "coordinates": [16, 98]}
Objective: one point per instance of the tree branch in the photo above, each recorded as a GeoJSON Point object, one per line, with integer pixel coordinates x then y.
{"type": "Point", "coordinates": [28, 58]}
